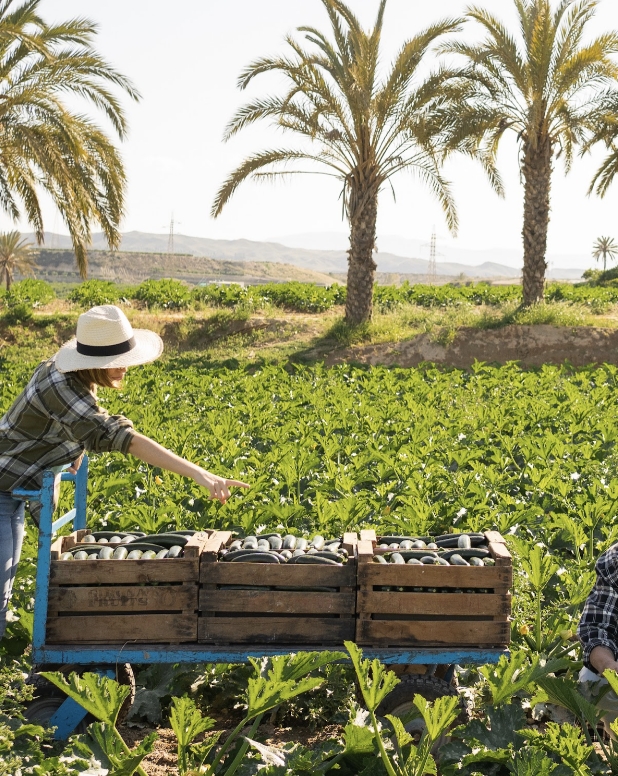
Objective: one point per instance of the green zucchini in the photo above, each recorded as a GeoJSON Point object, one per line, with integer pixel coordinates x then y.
{"type": "Point", "coordinates": [318, 542]}
{"type": "Point", "coordinates": [115, 539]}
{"type": "Point", "coordinates": [397, 558]}
{"type": "Point", "coordinates": [166, 540]}
{"type": "Point", "coordinates": [379, 559]}
{"type": "Point", "coordinates": [120, 553]}
{"type": "Point", "coordinates": [332, 546]}
{"type": "Point", "coordinates": [301, 544]}
{"type": "Point", "coordinates": [289, 542]}
{"type": "Point", "coordinates": [476, 562]}
{"type": "Point", "coordinates": [67, 556]}
{"type": "Point", "coordinates": [93, 556]}
{"type": "Point", "coordinates": [464, 542]}
{"type": "Point", "coordinates": [393, 546]}
{"type": "Point", "coordinates": [149, 555]}
{"type": "Point", "coordinates": [317, 560]}
{"type": "Point", "coordinates": [143, 546]}
{"type": "Point", "coordinates": [489, 562]}
{"type": "Point", "coordinates": [268, 535]}
{"type": "Point", "coordinates": [134, 555]}
{"type": "Point", "coordinates": [235, 545]}
{"type": "Point", "coordinates": [419, 544]}
{"type": "Point", "coordinates": [264, 545]}
{"type": "Point", "coordinates": [287, 554]}
{"type": "Point", "coordinates": [406, 544]}
{"type": "Point", "coordinates": [331, 555]}
{"type": "Point", "coordinates": [407, 554]}
{"type": "Point", "coordinates": [256, 557]}
{"type": "Point", "coordinates": [275, 542]}
{"type": "Point", "coordinates": [414, 562]}
{"type": "Point", "coordinates": [475, 552]}
{"type": "Point", "coordinates": [88, 539]}
{"type": "Point", "coordinates": [451, 540]}
{"type": "Point", "coordinates": [128, 539]}
{"type": "Point", "coordinates": [105, 553]}
{"type": "Point", "coordinates": [162, 554]}
{"type": "Point", "coordinates": [441, 561]}
{"type": "Point", "coordinates": [457, 560]}
{"type": "Point", "coordinates": [175, 552]}
{"type": "Point", "coordinates": [384, 546]}
{"type": "Point", "coordinates": [429, 560]}
{"type": "Point", "coordinates": [102, 540]}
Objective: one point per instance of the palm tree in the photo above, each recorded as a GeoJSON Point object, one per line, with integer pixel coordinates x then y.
{"type": "Point", "coordinates": [547, 86]}
{"type": "Point", "coordinates": [15, 256]}
{"type": "Point", "coordinates": [44, 144]}
{"type": "Point", "coordinates": [605, 248]}
{"type": "Point", "coordinates": [353, 125]}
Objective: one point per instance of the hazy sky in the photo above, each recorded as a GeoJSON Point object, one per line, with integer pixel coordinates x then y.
{"type": "Point", "coordinates": [185, 57]}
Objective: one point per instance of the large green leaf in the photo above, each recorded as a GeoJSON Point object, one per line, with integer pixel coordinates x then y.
{"type": "Point", "coordinates": [108, 747]}
{"type": "Point", "coordinates": [532, 762]}
{"type": "Point", "coordinates": [100, 696]}
{"type": "Point", "coordinates": [187, 723]}
{"type": "Point", "coordinates": [564, 692]}
{"type": "Point", "coordinates": [499, 731]}
{"type": "Point", "coordinates": [514, 673]}
{"type": "Point", "coordinates": [374, 680]}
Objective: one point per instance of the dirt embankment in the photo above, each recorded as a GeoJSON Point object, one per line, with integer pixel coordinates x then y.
{"type": "Point", "coordinates": [529, 345]}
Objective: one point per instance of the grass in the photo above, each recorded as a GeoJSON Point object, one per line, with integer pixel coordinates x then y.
{"type": "Point", "coordinates": [274, 334]}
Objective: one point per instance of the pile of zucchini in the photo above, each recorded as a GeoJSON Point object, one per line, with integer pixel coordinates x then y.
{"type": "Point", "coordinates": [274, 548]}
{"type": "Point", "coordinates": [448, 550]}
{"type": "Point", "coordinates": [116, 545]}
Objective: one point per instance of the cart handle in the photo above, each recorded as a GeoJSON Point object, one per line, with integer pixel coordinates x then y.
{"type": "Point", "coordinates": [47, 528]}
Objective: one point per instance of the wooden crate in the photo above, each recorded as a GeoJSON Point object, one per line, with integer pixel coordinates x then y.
{"type": "Point", "coordinates": [451, 617]}
{"type": "Point", "coordinates": [111, 602]}
{"type": "Point", "coordinates": [285, 604]}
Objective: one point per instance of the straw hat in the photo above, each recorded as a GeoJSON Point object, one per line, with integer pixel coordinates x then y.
{"type": "Point", "coordinates": [106, 340]}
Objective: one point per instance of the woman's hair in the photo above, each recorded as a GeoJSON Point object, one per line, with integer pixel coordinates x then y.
{"type": "Point", "coordinates": [101, 377]}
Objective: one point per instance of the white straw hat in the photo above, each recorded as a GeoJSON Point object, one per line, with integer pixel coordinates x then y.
{"type": "Point", "coordinates": [106, 340]}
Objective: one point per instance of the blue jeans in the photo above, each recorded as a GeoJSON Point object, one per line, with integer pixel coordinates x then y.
{"type": "Point", "coordinates": [12, 512]}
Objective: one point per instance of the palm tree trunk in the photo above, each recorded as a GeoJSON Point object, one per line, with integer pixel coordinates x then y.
{"type": "Point", "coordinates": [361, 266]}
{"type": "Point", "coordinates": [536, 170]}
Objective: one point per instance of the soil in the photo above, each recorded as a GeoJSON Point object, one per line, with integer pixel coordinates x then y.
{"type": "Point", "coordinates": [529, 345]}
{"type": "Point", "coordinates": [162, 760]}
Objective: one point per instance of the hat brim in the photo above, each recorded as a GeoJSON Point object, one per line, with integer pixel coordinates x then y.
{"type": "Point", "coordinates": [148, 347]}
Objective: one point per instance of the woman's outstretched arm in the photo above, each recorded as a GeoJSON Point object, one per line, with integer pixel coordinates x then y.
{"type": "Point", "coordinates": [153, 453]}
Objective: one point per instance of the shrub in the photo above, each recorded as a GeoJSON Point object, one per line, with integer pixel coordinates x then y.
{"type": "Point", "coordinates": [19, 313]}
{"type": "Point", "coordinates": [94, 292]}
{"type": "Point", "coordinates": [29, 292]}
{"type": "Point", "coordinates": [221, 296]}
{"type": "Point", "coordinates": [167, 293]}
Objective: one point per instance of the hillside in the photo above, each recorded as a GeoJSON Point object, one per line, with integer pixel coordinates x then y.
{"type": "Point", "coordinates": [321, 261]}
{"type": "Point", "coordinates": [134, 267]}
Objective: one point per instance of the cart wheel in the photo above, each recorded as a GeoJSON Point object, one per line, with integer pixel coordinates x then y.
{"type": "Point", "coordinates": [43, 708]}
{"type": "Point", "coordinates": [401, 700]}
{"type": "Point", "coordinates": [45, 690]}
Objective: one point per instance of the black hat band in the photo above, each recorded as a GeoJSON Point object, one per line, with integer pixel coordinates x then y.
{"type": "Point", "coordinates": [106, 350]}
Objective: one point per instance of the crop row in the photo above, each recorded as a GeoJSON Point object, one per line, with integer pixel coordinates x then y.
{"type": "Point", "coordinates": [294, 296]}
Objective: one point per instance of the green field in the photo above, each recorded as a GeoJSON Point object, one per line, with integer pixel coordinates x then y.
{"type": "Point", "coordinates": [529, 453]}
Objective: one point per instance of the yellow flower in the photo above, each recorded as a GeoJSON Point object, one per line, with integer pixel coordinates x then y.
{"type": "Point", "coordinates": [158, 480]}
{"type": "Point", "coordinates": [524, 630]}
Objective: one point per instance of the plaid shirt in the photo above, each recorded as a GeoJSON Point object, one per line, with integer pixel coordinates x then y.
{"type": "Point", "coordinates": [50, 425]}
{"type": "Point", "coordinates": [598, 626]}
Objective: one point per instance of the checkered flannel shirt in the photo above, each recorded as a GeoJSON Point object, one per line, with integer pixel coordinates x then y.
{"type": "Point", "coordinates": [598, 626]}
{"type": "Point", "coordinates": [51, 423]}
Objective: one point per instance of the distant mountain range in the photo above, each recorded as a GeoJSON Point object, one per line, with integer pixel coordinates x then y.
{"type": "Point", "coordinates": [319, 259]}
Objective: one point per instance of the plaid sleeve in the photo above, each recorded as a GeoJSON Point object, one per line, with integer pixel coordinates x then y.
{"type": "Point", "coordinates": [598, 626]}
{"type": "Point", "coordinates": [84, 420]}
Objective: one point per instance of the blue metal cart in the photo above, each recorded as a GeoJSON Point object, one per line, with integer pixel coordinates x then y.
{"type": "Point", "coordinates": [106, 659]}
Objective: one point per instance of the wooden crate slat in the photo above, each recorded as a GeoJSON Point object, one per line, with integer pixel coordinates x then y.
{"type": "Point", "coordinates": [368, 535]}
{"type": "Point", "coordinates": [370, 574]}
{"type": "Point", "coordinates": [277, 602]}
{"type": "Point", "coordinates": [493, 537]}
{"type": "Point", "coordinates": [432, 633]}
{"type": "Point", "coordinates": [123, 598]}
{"type": "Point", "coordinates": [196, 544]}
{"type": "Point", "coordinates": [273, 630]}
{"type": "Point", "coordinates": [278, 575]}
{"type": "Point", "coordinates": [446, 604]}
{"type": "Point", "coordinates": [101, 572]}
{"type": "Point", "coordinates": [500, 554]}
{"type": "Point", "coordinates": [118, 629]}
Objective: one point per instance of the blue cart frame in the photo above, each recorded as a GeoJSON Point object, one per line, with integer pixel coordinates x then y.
{"type": "Point", "coordinates": [104, 658]}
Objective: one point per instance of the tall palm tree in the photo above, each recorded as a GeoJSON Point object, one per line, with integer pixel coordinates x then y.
{"type": "Point", "coordinates": [45, 145]}
{"type": "Point", "coordinates": [605, 248]}
{"type": "Point", "coordinates": [353, 125]}
{"type": "Point", "coordinates": [550, 88]}
{"type": "Point", "coordinates": [15, 256]}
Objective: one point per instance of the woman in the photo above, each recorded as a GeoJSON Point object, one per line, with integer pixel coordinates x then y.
{"type": "Point", "coordinates": [56, 419]}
